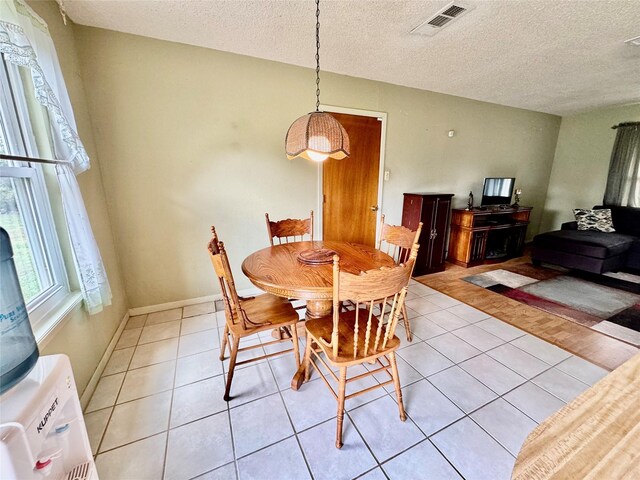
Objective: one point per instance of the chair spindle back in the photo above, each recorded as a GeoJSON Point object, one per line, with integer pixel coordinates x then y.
{"type": "Point", "coordinates": [371, 292]}
{"type": "Point", "coordinates": [398, 240]}
{"type": "Point", "coordinates": [290, 230]}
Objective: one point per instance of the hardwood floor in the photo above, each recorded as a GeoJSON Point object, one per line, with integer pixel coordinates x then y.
{"type": "Point", "coordinates": [589, 344]}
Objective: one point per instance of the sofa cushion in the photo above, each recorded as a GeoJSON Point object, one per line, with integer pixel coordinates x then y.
{"type": "Point", "coordinates": [633, 256]}
{"type": "Point", "coordinates": [598, 220]}
{"type": "Point", "coordinates": [585, 242]}
{"type": "Point", "coordinates": [625, 219]}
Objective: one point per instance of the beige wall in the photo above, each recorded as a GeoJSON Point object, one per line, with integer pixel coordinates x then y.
{"type": "Point", "coordinates": [581, 164]}
{"type": "Point", "coordinates": [190, 137]}
{"type": "Point", "coordinates": [85, 338]}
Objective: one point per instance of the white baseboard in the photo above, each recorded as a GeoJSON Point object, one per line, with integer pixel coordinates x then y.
{"type": "Point", "coordinates": [91, 386]}
{"type": "Point", "coordinates": [169, 305]}
{"type": "Point", "coordinates": [190, 301]}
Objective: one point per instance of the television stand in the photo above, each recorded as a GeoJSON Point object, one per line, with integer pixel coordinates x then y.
{"type": "Point", "coordinates": [487, 234]}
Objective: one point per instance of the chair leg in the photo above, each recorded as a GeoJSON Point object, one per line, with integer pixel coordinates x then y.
{"type": "Point", "coordinates": [225, 341]}
{"type": "Point", "coordinates": [307, 359]}
{"type": "Point", "coordinates": [296, 344]}
{"type": "Point", "coordinates": [407, 325]}
{"type": "Point", "coordinates": [396, 384]}
{"type": "Point", "coordinates": [235, 343]}
{"type": "Point", "coordinates": [341, 394]}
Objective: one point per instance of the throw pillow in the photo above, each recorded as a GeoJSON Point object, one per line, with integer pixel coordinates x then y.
{"type": "Point", "coordinates": [599, 220]}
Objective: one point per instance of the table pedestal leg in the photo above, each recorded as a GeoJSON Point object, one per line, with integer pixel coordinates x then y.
{"type": "Point", "coordinates": [318, 308]}
{"type": "Point", "coordinates": [315, 309]}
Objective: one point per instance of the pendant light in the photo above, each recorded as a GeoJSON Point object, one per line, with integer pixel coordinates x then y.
{"type": "Point", "coordinates": [317, 135]}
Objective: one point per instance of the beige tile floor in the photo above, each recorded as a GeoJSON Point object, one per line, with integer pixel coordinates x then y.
{"type": "Point", "coordinates": [473, 387]}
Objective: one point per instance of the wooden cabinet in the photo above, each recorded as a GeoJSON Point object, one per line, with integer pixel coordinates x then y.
{"type": "Point", "coordinates": [432, 209]}
{"type": "Point", "coordinates": [487, 235]}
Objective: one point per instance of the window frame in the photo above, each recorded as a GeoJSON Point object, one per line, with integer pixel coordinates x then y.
{"type": "Point", "coordinates": [39, 220]}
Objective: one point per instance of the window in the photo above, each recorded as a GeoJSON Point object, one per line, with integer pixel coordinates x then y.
{"type": "Point", "coordinates": [25, 211]}
{"type": "Point", "coordinates": [623, 181]}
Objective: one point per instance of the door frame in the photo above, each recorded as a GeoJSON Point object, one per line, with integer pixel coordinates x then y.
{"type": "Point", "coordinates": [382, 117]}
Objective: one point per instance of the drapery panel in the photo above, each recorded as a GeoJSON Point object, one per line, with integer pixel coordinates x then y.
{"type": "Point", "coordinates": [25, 41]}
{"type": "Point", "coordinates": [90, 270]}
{"type": "Point", "coordinates": [623, 181]}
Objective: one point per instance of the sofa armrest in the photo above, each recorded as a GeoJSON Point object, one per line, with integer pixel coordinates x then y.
{"type": "Point", "coordinates": [569, 226]}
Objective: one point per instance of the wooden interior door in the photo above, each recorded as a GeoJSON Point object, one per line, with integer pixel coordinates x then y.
{"type": "Point", "coordinates": [350, 186]}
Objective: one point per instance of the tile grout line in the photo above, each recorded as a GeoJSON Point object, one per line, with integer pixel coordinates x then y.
{"type": "Point", "coordinates": [279, 390]}
{"type": "Point", "coordinates": [551, 366]}
{"type": "Point", "coordinates": [446, 458]}
{"type": "Point", "coordinates": [348, 413]}
{"type": "Point", "coordinates": [232, 439]}
{"type": "Point", "coordinates": [428, 440]}
{"type": "Point", "coordinates": [123, 403]}
{"type": "Point", "coordinates": [406, 385]}
{"type": "Point", "coordinates": [484, 405]}
{"type": "Point", "coordinates": [228, 409]}
{"type": "Point", "coordinates": [367, 444]}
{"type": "Point", "coordinates": [492, 436]}
{"type": "Point", "coordinates": [112, 407]}
{"type": "Point", "coordinates": [175, 374]}
{"type": "Point", "coordinates": [295, 433]}
{"type": "Point", "coordinates": [214, 470]}
{"type": "Point", "coordinates": [499, 396]}
{"type": "Point", "coordinates": [384, 474]}
{"type": "Point", "coordinates": [98, 452]}
{"type": "Point", "coordinates": [429, 437]}
{"type": "Point", "coordinates": [158, 341]}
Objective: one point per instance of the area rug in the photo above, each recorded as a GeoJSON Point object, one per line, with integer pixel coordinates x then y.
{"type": "Point", "coordinates": [608, 303]}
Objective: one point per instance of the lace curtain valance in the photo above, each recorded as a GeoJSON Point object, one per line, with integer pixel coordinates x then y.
{"type": "Point", "coordinates": [25, 41]}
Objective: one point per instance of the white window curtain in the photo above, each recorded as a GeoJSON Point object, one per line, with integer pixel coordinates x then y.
{"type": "Point", "coordinates": [25, 41]}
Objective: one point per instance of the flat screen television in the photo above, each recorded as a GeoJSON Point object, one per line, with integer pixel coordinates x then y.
{"type": "Point", "coordinates": [497, 191]}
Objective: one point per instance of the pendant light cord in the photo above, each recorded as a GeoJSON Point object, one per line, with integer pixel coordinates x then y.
{"type": "Point", "coordinates": [317, 55]}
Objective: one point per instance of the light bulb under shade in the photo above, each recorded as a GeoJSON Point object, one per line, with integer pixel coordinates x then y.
{"type": "Point", "coordinates": [315, 156]}
{"type": "Point", "coordinates": [316, 134]}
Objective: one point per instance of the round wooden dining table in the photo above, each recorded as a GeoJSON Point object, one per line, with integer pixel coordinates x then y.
{"type": "Point", "coordinates": [278, 270]}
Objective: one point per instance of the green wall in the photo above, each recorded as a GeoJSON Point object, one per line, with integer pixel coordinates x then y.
{"type": "Point", "coordinates": [581, 163]}
{"type": "Point", "coordinates": [190, 137]}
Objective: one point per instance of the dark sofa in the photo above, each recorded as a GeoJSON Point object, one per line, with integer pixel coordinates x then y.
{"type": "Point", "coordinates": [592, 251]}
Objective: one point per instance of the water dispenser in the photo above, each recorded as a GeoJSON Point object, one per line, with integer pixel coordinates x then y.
{"type": "Point", "coordinates": [42, 430]}
{"type": "Point", "coordinates": [18, 348]}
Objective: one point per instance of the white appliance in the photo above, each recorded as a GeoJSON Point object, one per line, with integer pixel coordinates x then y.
{"type": "Point", "coordinates": [42, 430]}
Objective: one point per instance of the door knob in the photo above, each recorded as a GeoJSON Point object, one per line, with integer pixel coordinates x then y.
{"type": "Point", "coordinates": [374, 208]}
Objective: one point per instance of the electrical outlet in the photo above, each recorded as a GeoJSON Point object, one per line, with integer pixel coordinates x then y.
{"type": "Point", "coordinates": [387, 175]}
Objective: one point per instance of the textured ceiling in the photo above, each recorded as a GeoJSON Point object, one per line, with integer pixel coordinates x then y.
{"type": "Point", "coordinates": [559, 56]}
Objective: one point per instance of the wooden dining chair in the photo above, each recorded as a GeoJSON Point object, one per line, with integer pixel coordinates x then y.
{"type": "Point", "coordinates": [353, 336]}
{"type": "Point", "coordinates": [249, 316]}
{"type": "Point", "coordinates": [290, 230]}
{"type": "Point", "coordinates": [397, 242]}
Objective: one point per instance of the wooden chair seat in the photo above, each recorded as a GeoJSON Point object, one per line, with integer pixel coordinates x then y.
{"type": "Point", "coordinates": [354, 334]}
{"type": "Point", "coordinates": [265, 312]}
{"type": "Point", "coordinates": [323, 327]}
{"type": "Point", "coordinates": [248, 316]}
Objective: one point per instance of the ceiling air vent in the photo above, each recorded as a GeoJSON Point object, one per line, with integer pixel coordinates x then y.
{"type": "Point", "coordinates": [454, 11]}
{"type": "Point", "coordinates": [439, 21]}
{"type": "Point", "coordinates": [445, 16]}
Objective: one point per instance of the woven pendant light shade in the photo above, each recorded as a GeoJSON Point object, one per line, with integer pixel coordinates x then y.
{"type": "Point", "coordinates": [316, 136]}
